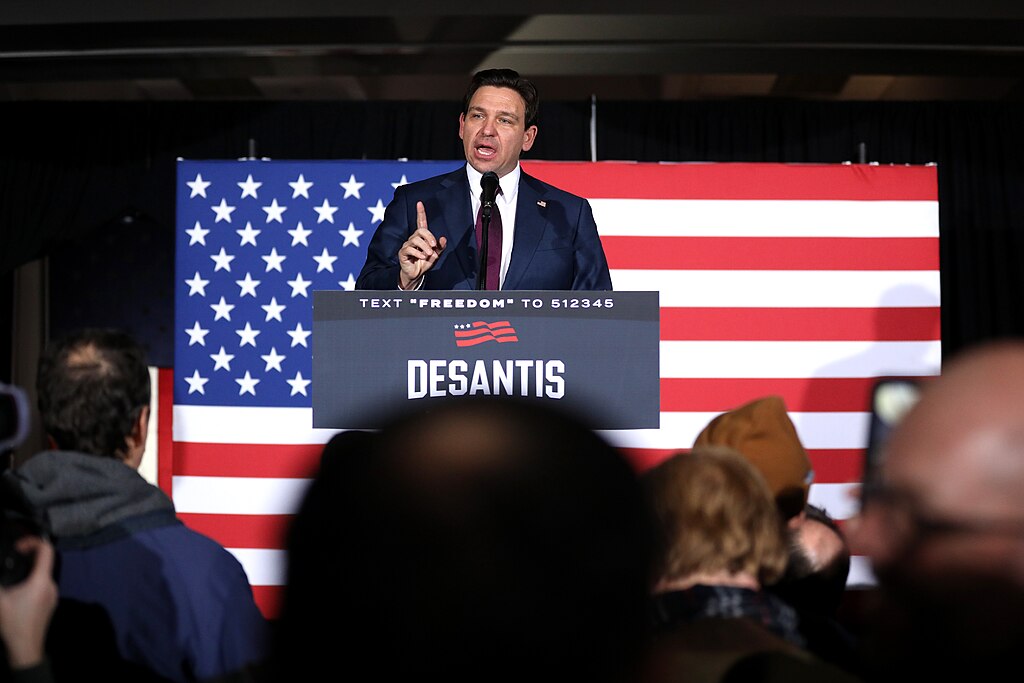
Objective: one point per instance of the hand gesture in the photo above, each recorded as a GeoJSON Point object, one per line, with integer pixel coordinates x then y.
{"type": "Point", "coordinates": [419, 252]}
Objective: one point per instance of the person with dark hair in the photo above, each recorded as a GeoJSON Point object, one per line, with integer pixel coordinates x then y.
{"type": "Point", "coordinates": [177, 605]}
{"type": "Point", "coordinates": [539, 237]}
{"type": "Point", "coordinates": [818, 566]}
{"type": "Point", "coordinates": [485, 539]}
{"type": "Point", "coordinates": [814, 584]}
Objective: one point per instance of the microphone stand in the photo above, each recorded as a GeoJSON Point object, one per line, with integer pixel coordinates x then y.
{"type": "Point", "coordinates": [485, 228]}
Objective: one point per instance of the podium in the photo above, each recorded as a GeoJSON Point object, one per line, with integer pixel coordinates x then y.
{"type": "Point", "coordinates": [377, 352]}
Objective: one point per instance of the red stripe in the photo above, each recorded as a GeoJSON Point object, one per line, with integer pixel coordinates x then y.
{"type": "Point", "coordinates": [246, 460]}
{"type": "Point", "coordinates": [486, 338]}
{"type": "Point", "coordinates": [804, 394]}
{"type": "Point", "coordinates": [165, 429]}
{"type": "Point", "coordinates": [268, 599]}
{"type": "Point", "coordinates": [739, 181]}
{"type": "Point", "coordinates": [241, 531]}
{"type": "Point", "coordinates": [801, 324]}
{"type": "Point", "coordinates": [507, 329]}
{"type": "Point", "coordinates": [772, 253]}
{"type": "Point", "coordinates": [831, 466]}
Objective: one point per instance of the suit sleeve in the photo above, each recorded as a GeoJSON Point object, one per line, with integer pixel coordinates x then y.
{"type": "Point", "coordinates": [591, 267]}
{"type": "Point", "coordinates": [381, 270]}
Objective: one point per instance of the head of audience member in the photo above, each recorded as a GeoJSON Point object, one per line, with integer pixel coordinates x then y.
{"type": "Point", "coordinates": [717, 521]}
{"type": "Point", "coordinates": [818, 565]}
{"type": "Point", "coordinates": [482, 538]}
{"type": "Point", "coordinates": [944, 524]}
{"type": "Point", "coordinates": [93, 394]}
{"type": "Point", "coordinates": [498, 120]}
{"type": "Point", "coordinates": [763, 433]}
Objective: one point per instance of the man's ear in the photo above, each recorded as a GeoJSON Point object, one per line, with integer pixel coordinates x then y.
{"type": "Point", "coordinates": [136, 439]}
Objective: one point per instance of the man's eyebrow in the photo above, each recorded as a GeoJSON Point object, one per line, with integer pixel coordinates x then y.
{"type": "Point", "coordinates": [500, 112]}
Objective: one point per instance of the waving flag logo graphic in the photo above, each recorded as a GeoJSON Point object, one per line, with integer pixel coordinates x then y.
{"type": "Point", "coordinates": [480, 332]}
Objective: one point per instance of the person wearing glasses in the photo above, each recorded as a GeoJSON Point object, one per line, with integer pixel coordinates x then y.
{"type": "Point", "coordinates": [942, 523]}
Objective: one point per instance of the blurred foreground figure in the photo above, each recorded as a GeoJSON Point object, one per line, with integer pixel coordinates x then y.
{"type": "Point", "coordinates": [944, 526]}
{"type": "Point", "coordinates": [485, 540]}
{"type": "Point", "coordinates": [723, 541]}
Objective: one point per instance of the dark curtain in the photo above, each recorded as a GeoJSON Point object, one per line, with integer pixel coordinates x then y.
{"type": "Point", "coordinates": [90, 185]}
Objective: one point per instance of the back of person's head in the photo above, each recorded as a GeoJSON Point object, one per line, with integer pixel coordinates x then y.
{"type": "Point", "coordinates": [818, 566]}
{"type": "Point", "coordinates": [716, 516]}
{"type": "Point", "coordinates": [487, 538]}
{"type": "Point", "coordinates": [505, 78]}
{"type": "Point", "coordinates": [764, 434]}
{"type": "Point", "coordinates": [92, 387]}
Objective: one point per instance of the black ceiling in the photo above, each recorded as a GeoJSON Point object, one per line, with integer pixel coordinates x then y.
{"type": "Point", "coordinates": [314, 49]}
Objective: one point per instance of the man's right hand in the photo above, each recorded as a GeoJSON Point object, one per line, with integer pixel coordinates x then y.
{"type": "Point", "coordinates": [419, 252]}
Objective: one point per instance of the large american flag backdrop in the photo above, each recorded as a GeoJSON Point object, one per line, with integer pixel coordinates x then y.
{"type": "Point", "coordinates": [807, 281]}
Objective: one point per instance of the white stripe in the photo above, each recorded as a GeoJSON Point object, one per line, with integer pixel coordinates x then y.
{"type": "Point", "coordinates": [765, 218]}
{"type": "Point", "coordinates": [840, 501]}
{"type": "Point", "coordinates": [861, 573]}
{"type": "Point", "coordinates": [149, 467]}
{"type": "Point", "coordinates": [679, 431]}
{"type": "Point", "coordinates": [264, 567]}
{"type": "Point", "coordinates": [784, 288]}
{"type": "Point", "coordinates": [766, 359]}
{"type": "Point", "coordinates": [238, 495]}
{"type": "Point", "coordinates": [257, 425]}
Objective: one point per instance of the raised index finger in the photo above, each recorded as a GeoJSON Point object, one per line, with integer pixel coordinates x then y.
{"type": "Point", "coordinates": [421, 216]}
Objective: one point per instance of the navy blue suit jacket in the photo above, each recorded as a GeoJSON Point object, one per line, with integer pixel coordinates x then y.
{"type": "Point", "coordinates": [556, 245]}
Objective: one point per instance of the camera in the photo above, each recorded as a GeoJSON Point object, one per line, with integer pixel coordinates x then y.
{"type": "Point", "coordinates": [14, 417]}
{"type": "Point", "coordinates": [18, 518]}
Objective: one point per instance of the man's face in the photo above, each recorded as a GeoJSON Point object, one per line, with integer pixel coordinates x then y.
{"type": "Point", "coordinates": [944, 538]}
{"type": "Point", "coordinates": [493, 130]}
{"type": "Point", "coordinates": [937, 509]}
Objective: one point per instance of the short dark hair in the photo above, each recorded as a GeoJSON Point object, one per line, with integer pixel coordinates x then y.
{"type": "Point", "coordinates": [92, 386]}
{"type": "Point", "coordinates": [481, 527]}
{"type": "Point", "coordinates": [808, 587]}
{"type": "Point", "coordinates": [505, 78]}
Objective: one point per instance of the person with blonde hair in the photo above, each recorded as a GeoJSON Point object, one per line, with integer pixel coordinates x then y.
{"type": "Point", "coordinates": [722, 540]}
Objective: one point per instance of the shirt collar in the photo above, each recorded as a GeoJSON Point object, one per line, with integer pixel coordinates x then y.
{"type": "Point", "coordinates": [509, 183]}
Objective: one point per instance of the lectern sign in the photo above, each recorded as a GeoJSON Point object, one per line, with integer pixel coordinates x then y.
{"type": "Point", "coordinates": [596, 352]}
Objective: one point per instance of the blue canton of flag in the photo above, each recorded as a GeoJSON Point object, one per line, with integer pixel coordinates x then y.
{"type": "Point", "coordinates": [255, 239]}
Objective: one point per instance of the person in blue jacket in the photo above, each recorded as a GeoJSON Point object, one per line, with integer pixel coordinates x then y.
{"type": "Point", "coordinates": [176, 604]}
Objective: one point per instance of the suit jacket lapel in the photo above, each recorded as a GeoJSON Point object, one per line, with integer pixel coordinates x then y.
{"type": "Point", "coordinates": [458, 221]}
{"type": "Point", "coordinates": [531, 222]}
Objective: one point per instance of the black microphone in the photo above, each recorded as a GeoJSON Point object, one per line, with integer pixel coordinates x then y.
{"type": "Point", "coordinates": [489, 185]}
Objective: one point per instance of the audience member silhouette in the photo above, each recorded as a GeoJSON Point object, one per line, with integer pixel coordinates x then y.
{"type": "Point", "coordinates": [141, 595]}
{"type": "Point", "coordinates": [943, 526]}
{"type": "Point", "coordinates": [485, 539]}
{"type": "Point", "coordinates": [763, 433]}
{"type": "Point", "coordinates": [814, 584]}
{"type": "Point", "coordinates": [723, 541]}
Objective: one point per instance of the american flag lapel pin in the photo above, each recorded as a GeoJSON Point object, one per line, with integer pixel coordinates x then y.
{"type": "Point", "coordinates": [542, 204]}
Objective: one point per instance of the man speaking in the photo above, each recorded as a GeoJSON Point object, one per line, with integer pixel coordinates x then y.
{"type": "Point", "coordinates": [537, 236]}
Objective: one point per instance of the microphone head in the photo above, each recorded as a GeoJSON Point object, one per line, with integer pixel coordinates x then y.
{"type": "Point", "coordinates": [489, 185]}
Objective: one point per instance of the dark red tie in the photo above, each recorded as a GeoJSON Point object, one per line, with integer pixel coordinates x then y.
{"type": "Point", "coordinates": [493, 279]}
